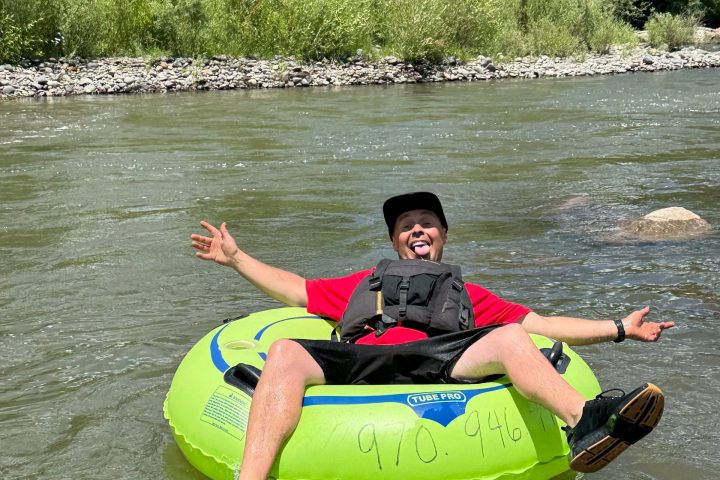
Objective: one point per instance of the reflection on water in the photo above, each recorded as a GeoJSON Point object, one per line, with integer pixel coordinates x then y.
{"type": "Point", "coordinates": [102, 296]}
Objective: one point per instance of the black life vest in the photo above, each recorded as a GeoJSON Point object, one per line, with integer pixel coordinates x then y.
{"type": "Point", "coordinates": [420, 294]}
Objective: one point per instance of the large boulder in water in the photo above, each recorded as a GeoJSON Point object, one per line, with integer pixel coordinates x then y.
{"type": "Point", "coordinates": [673, 223]}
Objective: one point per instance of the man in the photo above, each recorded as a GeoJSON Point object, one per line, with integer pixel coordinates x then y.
{"type": "Point", "coordinates": [598, 430]}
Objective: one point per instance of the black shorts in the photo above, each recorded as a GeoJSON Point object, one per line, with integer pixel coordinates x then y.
{"type": "Point", "coordinates": [422, 361]}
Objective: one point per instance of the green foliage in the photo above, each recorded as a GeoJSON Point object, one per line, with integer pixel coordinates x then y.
{"type": "Point", "coordinates": [551, 38]}
{"type": "Point", "coordinates": [709, 10]}
{"type": "Point", "coordinates": [480, 27]}
{"type": "Point", "coordinates": [567, 27]}
{"type": "Point", "coordinates": [179, 26]}
{"type": "Point", "coordinates": [434, 29]}
{"type": "Point", "coordinates": [554, 28]}
{"type": "Point", "coordinates": [28, 28]}
{"type": "Point", "coordinates": [311, 28]}
{"type": "Point", "coordinates": [314, 29]}
{"type": "Point", "coordinates": [320, 28]}
{"type": "Point", "coordinates": [107, 27]}
{"type": "Point", "coordinates": [415, 29]}
{"type": "Point", "coordinates": [674, 31]}
{"type": "Point", "coordinates": [606, 29]}
{"type": "Point", "coordinates": [634, 12]}
{"type": "Point", "coordinates": [638, 12]}
{"type": "Point", "coordinates": [15, 41]}
{"type": "Point", "coordinates": [609, 32]}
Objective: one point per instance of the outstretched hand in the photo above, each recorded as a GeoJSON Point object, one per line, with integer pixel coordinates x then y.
{"type": "Point", "coordinates": [638, 329]}
{"type": "Point", "coordinates": [220, 247]}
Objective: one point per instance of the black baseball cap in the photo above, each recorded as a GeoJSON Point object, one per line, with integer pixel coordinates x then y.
{"type": "Point", "coordinates": [396, 206]}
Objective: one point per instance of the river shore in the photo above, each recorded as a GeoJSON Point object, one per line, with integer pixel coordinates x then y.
{"type": "Point", "coordinates": [63, 77]}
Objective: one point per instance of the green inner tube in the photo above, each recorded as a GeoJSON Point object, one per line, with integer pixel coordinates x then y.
{"type": "Point", "coordinates": [479, 431]}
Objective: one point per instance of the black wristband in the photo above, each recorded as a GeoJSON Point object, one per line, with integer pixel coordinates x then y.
{"type": "Point", "coordinates": [621, 331]}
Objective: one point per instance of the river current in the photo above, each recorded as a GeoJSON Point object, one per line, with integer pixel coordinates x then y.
{"type": "Point", "coordinates": [101, 295]}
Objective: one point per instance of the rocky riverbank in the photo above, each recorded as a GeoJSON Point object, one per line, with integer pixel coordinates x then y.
{"type": "Point", "coordinates": [62, 77]}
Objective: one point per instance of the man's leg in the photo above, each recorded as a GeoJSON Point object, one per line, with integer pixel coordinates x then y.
{"type": "Point", "coordinates": [599, 430]}
{"type": "Point", "coordinates": [276, 405]}
{"type": "Point", "coordinates": [510, 350]}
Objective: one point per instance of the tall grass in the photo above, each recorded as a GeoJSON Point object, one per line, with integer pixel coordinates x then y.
{"type": "Point", "coordinates": [312, 29]}
{"type": "Point", "coordinates": [107, 27]}
{"type": "Point", "coordinates": [568, 27]}
{"type": "Point", "coordinates": [672, 31]}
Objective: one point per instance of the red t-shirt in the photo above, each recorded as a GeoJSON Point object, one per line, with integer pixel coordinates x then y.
{"type": "Point", "coordinates": [328, 297]}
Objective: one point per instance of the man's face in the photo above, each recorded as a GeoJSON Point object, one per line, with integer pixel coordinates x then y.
{"type": "Point", "coordinates": [419, 234]}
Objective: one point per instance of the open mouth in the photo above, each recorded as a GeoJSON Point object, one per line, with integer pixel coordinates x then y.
{"type": "Point", "coordinates": [420, 247]}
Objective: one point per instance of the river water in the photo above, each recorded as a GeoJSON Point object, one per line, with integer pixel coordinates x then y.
{"type": "Point", "coordinates": [101, 294]}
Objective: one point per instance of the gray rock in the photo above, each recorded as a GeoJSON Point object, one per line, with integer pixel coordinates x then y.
{"type": "Point", "coordinates": [8, 90]}
{"type": "Point", "coordinates": [673, 223]}
{"type": "Point", "coordinates": [485, 62]}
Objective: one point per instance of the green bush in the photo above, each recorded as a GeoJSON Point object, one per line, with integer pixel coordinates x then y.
{"type": "Point", "coordinates": [15, 42]}
{"type": "Point", "coordinates": [609, 32]}
{"type": "Point", "coordinates": [674, 31]}
{"type": "Point", "coordinates": [606, 28]}
{"type": "Point", "coordinates": [546, 36]}
{"type": "Point", "coordinates": [309, 29]}
{"type": "Point", "coordinates": [28, 28]}
{"type": "Point", "coordinates": [179, 27]}
{"type": "Point", "coordinates": [480, 27]}
{"type": "Point", "coordinates": [322, 28]}
{"type": "Point", "coordinates": [435, 29]}
{"type": "Point", "coordinates": [312, 29]}
{"type": "Point", "coordinates": [567, 27]}
{"type": "Point", "coordinates": [415, 29]}
{"type": "Point", "coordinates": [107, 27]}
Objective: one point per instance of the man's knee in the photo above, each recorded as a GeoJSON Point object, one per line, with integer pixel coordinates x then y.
{"type": "Point", "coordinates": [509, 338]}
{"type": "Point", "coordinates": [284, 352]}
{"type": "Point", "coordinates": [513, 330]}
{"type": "Point", "coordinates": [289, 357]}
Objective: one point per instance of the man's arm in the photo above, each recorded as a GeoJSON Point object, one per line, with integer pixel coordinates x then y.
{"type": "Point", "coordinates": [578, 331]}
{"type": "Point", "coordinates": [221, 248]}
